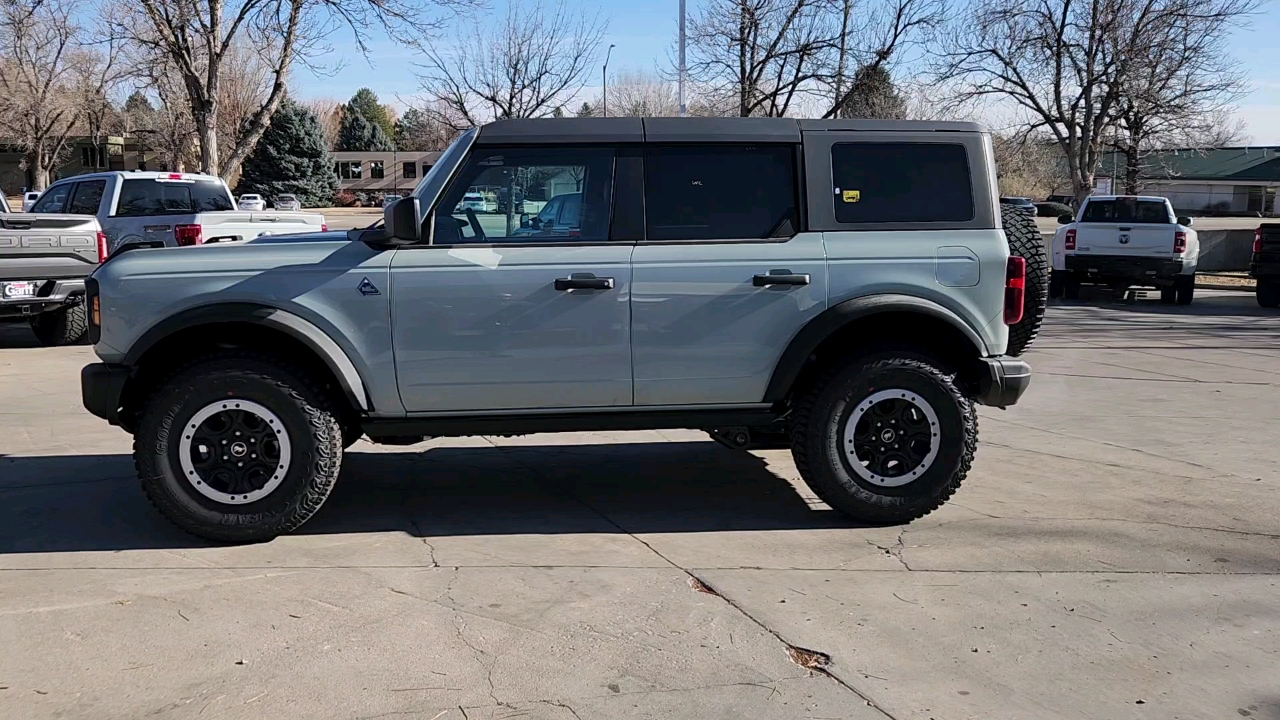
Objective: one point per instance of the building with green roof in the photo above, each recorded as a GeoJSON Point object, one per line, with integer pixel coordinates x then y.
{"type": "Point", "coordinates": [1219, 181]}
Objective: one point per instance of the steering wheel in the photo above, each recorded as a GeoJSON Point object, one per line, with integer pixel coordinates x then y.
{"type": "Point", "coordinates": [475, 226]}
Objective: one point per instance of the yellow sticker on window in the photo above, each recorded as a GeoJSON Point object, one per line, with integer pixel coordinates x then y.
{"type": "Point", "coordinates": [852, 196]}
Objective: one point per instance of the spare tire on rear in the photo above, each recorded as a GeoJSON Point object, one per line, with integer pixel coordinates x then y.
{"type": "Point", "coordinates": [1025, 242]}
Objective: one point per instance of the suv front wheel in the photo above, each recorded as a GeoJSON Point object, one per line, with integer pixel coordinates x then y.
{"type": "Point", "coordinates": [240, 447]}
{"type": "Point", "coordinates": [886, 439]}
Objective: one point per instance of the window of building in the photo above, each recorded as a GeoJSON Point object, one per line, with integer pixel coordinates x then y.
{"type": "Point", "coordinates": [720, 192]}
{"type": "Point", "coordinates": [375, 169]}
{"type": "Point", "coordinates": [93, 157]}
{"type": "Point", "coordinates": [348, 170]}
{"type": "Point", "coordinates": [410, 170]}
{"type": "Point", "coordinates": [529, 195]}
{"type": "Point", "coordinates": [426, 168]}
{"type": "Point", "coordinates": [87, 197]}
{"type": "Point", "coordinates": [901, 183]}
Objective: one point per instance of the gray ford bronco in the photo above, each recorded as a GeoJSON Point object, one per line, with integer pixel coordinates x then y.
{"type": "Point", "coordinates": [845, 289]}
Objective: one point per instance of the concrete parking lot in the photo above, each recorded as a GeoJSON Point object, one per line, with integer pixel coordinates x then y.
{"type": "Point", "coordinates": [1113, 554]}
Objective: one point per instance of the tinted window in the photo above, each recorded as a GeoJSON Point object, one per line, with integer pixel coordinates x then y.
{"type": "Point", "coordinates": [87, 197]}
{"type": "Point", "coordinates": [560, 194]}
{"type": "Point", "coordinates": [410, 170]}
{"type": "Point", "coordinates": [159, 197]}
{"type": "Point", "coordinates": [720, 192]}
{"type": "Point", "coordinates": [901, 182]}
{"type": "Point", "coordinates": [53, 200]}
{"type": "Point", "coordinates": [1129, 210]}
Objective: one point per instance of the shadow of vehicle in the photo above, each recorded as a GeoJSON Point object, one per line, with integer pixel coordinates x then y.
{"type": "Point", "coordinates": [17, 334]}
{"type": "Point", "coordinates": [92, 502]}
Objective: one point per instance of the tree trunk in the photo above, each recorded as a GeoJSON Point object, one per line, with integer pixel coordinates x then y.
{"type": "Point", "coordinates": [1132, 164]}
{"type": "Point", "coordinates": [207, 131]}
{"type": "Point", "coordinates": [39, 173]}
{"type": "Point", "coordinates": [743, 77]}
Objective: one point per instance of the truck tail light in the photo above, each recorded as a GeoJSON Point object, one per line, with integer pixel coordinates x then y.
{"type": "Point", "coordinates": [1179, 242]}
{"type": "Point", "coordinates": [1070, 243]}
{"type": "Point", "coordinates": [1257, 241]}
{"type": "Point", "coordinates": [1015, 289]}
{"type": "Point", "coordinates": [102, 247]}
{"type": "Point", "coordinates": [324, 227]}
{"type": "Point", "coordinates": [187, 235]}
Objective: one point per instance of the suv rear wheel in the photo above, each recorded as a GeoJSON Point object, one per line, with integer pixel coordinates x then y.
{"type": "Point", "coordinates": [885, 439]}
{"type": "Point", "coordinates": [240, 447]}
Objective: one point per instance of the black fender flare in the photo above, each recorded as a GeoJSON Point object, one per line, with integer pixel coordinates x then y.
{"type": "Point", "coordinates": [300, 329]}
{"type": "Point", "coordinates": [837, 316]}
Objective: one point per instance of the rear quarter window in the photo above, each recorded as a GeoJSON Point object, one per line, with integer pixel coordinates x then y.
{"type": "Point", "coordinates": [901, 183]}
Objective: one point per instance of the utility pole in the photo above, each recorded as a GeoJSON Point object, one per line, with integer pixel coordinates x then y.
{"type": "Point", "coordinates": [683, 68]}
{"type": "Point", "coordinates": [604, 91]}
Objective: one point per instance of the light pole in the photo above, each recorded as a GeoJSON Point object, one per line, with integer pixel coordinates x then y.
{"type": "Point", "coordinates": [604, 92]}
{"type": "Point", "coordinates": [680, 92]}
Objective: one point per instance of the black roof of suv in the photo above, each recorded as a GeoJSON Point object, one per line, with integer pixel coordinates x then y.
{"type": "Point", "coordinates": [668, 129]}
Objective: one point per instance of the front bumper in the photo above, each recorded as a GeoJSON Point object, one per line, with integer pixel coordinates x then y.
{"type": "Point", "coordinates": [1122, 267]}
{"type": "Point", "coordinates": [1002, 381]}
{"type": "Point", "coordinates": [101, 388]}
{"type": "Point", "coordinates": [51, 295]}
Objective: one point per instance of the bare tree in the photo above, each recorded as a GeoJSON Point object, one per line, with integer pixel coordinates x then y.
{"type": "Point", "coordinates": [1182, 83]}
{"type": "Point", "coordinates": [1067, 64]}
{"type": "Point", "coordinates": [764, 52]}
{"type": "Point", "coordinates": [1027, 166]}
{"type": "Point", "coordinates": [633, 93]}
{"type": "Point", "coordinates": [48, 77]}
{"type": "Point", "coordinates": [526, 65]}
{"type": "Point", "coordinates": [866, 42]}
{"type": "Point", "coordinates": [198, 40]}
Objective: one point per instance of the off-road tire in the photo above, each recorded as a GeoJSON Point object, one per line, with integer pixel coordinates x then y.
{"type": "Point", "coordinates": [1185, 286]}
{"type": "Point", "coordinates": [302, 406]}
{"type": "Point", "coordinates": [817, 437]}
{"type": "Point", "coordinates": [1026, 242]}
{"type": "Point", "coordinates": [65, 326]}
{"type": "Point", "coordinates": [1268, 293]}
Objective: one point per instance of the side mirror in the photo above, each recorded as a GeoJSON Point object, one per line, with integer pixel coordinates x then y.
{"type": "Point", "coordinates": [524, 220]}
{"type": "Point", "coordinates": [1184, 220]}
{"type": "Point", "coordinates": [401, 221]}
{"type": "Point", "coordinates": [536, 223]}
{"type": "Point", "coordinates": [1065, 219]}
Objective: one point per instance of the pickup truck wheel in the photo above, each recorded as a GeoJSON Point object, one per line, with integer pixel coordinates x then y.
{"type": "Point", "coordinates": [1071, 289]}
{"type": "Point", "coordinates": [1168, 295]}
{"type": "Point", "coordinates": [1057, 283]}
{"type": "Point", "coordinates": [1185, 286]}
{"type": "Point", "coordinates": [1268, 293]}
{"type": "Point", "coordinates": [886, 439]}
{"type": "Point", "coordinates": [65, 326]}
{"type": "Point", "coordinates": [238, 448]}
{"type": "Point", "coordinates": [1025, 241]}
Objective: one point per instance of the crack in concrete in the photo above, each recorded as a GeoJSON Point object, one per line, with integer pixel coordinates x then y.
{"type": "Point", "coordinates": [561, 704]}
{"type": "Point", "coordinates": [895, 551]}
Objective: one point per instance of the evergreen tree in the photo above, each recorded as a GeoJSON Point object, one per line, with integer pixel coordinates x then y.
{"type": "Point", "coordinates": [365, 102]}
{"type": "Point", "coordinates": [416, 131]}
{"type": "Point", "coordinates": [873, 95]}
{"type": "Point", "coordinates": [291, 157]}
{"type": "Point", "coordinates": [585, 111]}
{"type": "Point", "coordinates": [357, 133]}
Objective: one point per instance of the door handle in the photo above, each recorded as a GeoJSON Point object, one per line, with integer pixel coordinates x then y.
{"type": "Point", "coordinates": [780, 278]}
{"type": "Point", "coordinates": [584, 281]}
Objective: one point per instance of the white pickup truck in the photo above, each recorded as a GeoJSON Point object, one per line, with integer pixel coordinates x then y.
{"type": "Point", "coordinates": [170, 209]}
{"type": "Point", "coordinates": [1122, 241]}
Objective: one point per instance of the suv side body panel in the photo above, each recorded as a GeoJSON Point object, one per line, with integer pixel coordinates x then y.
{"type": "Point", "coordinates": [703, 333]}
{"type": "Point", "coordinates": [319, 282]}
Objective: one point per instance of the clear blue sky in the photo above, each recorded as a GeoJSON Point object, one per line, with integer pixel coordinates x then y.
{"type": "Point", "coordinates": [645, 32]}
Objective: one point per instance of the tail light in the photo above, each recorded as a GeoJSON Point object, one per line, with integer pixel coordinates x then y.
{"type": "Point", "coordinates": [324, 227]}
{"type": "Point", "coordinates": [1179, 242]}
{"type": "Point", "coordinates": [1015, 289]}
{"type": "Point", "coordinates": [102, 247]}
{"type": "Point", "coordinates": [1070, 243]}
{"type": "Point", "coordinates": [1257, 241]}
{"type": "Point", "coordinates": [187, 235]}
{"type": "Point", "coordinates": [95, 309]}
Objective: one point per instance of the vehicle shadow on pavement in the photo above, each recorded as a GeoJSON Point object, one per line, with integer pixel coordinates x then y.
{"type": "Point", "coordinates": [93, 503]}
{"type": "Point", "coordinates": [17, 334]}
{"type": "Point", "coordinates": [1235, 304]}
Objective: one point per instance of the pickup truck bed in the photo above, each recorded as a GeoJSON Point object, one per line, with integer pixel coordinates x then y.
{"type": "Point", "coordinates": [44, 260]}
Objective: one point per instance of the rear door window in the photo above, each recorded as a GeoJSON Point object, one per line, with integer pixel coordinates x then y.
{"type": "Point", "coordinates": [54, 200]}
{"type": "Point", "coordinates": [901, 183]}
{"type": "Point", "coordinates": [156, 197]}
{"type": "Point", "coordinates": [1126, 210]}
{"type": "Point", "coordinates": [721, 192]}
{"type": "Point", "coordinates": [87, 197]}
